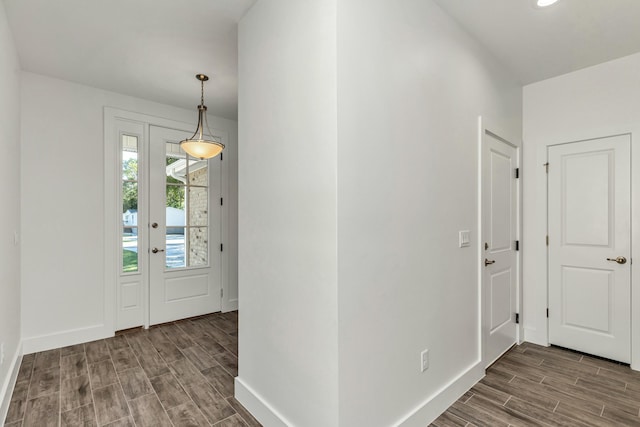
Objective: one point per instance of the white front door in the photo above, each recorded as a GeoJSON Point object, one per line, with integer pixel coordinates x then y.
{"type": "Point", "coordinates": [184, 233]}
{"type": "Point", "coordinates": [499, 234]}
{"type": "Point", "coordinates": [590, 246]}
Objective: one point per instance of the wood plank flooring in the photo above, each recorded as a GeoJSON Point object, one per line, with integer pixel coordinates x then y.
{"type": "Point", "coordinates": [548, 386]}
{"type": "Point", "coordinates": [178, 374]}
{"type": "Point", "coordinates": [181, 374]}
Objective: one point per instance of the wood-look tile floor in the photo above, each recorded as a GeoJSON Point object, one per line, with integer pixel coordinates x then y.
{"type": "Point", "coordinates": [177, 374]}
{"type": "Point", "coordinates": [549, 386]}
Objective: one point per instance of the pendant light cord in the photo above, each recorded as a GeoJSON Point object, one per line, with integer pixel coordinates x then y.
{"type": "Point", "coordinates": [202, 92]}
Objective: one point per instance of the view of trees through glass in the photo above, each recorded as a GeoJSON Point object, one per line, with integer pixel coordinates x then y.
{"type": "Point", "coordinates": [186, 208]}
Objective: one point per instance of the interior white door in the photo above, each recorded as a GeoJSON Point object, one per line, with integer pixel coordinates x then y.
{"type": "Point", "coordinates": [589, 229]}
{"type": "Point", "coordinates": [184, 237]}
{"type": "Point", "coordinates": [499, 258]}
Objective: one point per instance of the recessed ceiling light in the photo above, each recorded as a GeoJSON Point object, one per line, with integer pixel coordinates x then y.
{"type": "Point", "coordinates": [545, 3]}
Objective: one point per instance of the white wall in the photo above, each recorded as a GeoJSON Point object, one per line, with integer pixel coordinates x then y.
{"type": "Point", "coordinates": [287, 224]}
{"type": "Point", "coordinates": [63, 205]}
{"type": "Point", "coordinates": [411, 86]}
{"type": "Point", "coordinates": [594, 102]}
{"type": "Point", "coordinates": [10, 211]}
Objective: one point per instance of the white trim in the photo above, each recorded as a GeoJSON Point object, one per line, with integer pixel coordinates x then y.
{"type": "Point", "coordinates": [229, 305]}
{"type": "Point", "coordinates": [9, 383]}
{"type": "Point", "coordinates": [536, 336]}
{"type": "Point", "coordinates": [65, 338]}
{"type": "Point", "coordinates": [439, 401]}
{"type": "Point", "coordinates": [111, 205]}
{"type": "Point", "coordinates": [258, 406]}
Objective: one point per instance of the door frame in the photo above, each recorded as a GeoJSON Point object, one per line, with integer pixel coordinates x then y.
{"type": "Point", "coordinates": [113, 119]}
{"type": "Point", "coordinates": [490, 126]}
{"type": "Point", "coordinates": [542, 299]}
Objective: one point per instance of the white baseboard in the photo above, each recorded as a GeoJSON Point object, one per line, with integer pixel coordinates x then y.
{"type": "Point", "coordinates": [9, 383]}
{"type": "Point", "coordinates": [231, 305]}
{"type": "Point", "coordinates": [439, 401]}
{"type": "Point", "coordinates": [536, 337]}
{"type": "Point", "coordinates": [65, 338]}
{"type": "Point", "coordinates": [259, 408]}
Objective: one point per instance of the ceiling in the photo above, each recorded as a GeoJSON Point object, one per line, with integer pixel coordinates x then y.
{"type": "Point", "coordinates": [149, 49]}
{"type": "Point", "coordinates": [152, 49]}
{"type": "Point", "coordinates": [540, 43]}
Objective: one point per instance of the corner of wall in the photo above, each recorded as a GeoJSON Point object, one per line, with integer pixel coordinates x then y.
{"type": "Point", "coordinates": [9, 383]}
{"type": "Point", "coordinates": [439, 401]}
{"type": "Point", "coordinates": [258, 406]}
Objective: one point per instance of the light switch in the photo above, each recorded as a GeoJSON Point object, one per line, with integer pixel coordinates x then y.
{"type": "Point", "coordinates": [464, 239]}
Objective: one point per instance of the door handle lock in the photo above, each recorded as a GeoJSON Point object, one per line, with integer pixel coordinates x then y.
{"type": "Point", "coordinates": [619, 260]}
{"type": "Point", "coordinates": [488, 262]}
{"type": "Point", "coordinates": [156, 250]}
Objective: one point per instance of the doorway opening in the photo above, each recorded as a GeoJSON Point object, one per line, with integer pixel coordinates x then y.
{"type": "Point", "coordinates": [164, 244]}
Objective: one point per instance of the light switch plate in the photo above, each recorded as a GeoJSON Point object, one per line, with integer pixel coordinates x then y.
{"type": "Point", "coordinates": [464, 239]}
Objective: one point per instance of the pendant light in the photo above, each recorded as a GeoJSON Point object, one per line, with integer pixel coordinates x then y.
{"type": "Point", "coordinates": [545, 3]}
{"type": "Point", "coordinates": [201, 145]}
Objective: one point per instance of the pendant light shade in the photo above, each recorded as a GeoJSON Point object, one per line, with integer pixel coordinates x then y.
{"type": "Point", "coordinates": [201, 145]}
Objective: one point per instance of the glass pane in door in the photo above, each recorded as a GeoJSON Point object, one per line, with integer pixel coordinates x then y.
{"type": "Point", "coordinates": [175, 248]}
{"type": "Point", "coordinates": [198, 246]}
{"type": "Point", "coordinates": [198, 206]}
{"type": "Point", "coordinates": [187, 205]}
{"type": "Point", "coordinates": [129, 199]}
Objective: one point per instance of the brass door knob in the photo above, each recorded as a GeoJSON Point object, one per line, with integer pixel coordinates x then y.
{"type": "Point", "coordinates": [156, 250]}
{"type": "Point", "coordinates": [619, 260]}
{"type": "Point", "coordinates": [488, 262]}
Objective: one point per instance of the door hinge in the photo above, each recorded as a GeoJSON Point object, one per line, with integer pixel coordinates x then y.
{"type": "Point", "coordinates": [517, 173]}
{"type": "Point", "coordinates": [221, 201]}
{"type": "Point", "coordinates": [517, 318]}
{"type": "Point", "coordinates": [547, 240]}
{"type": "Point", "coordinates": [547, 313]}
{"type": "Point", "coordinates": [221, 247]}
{"type": "Point", "coordinates": [486, 246]}
{"type": "Point", "coordinates": [221, 154]}
{"type": "Point", "coordinates": [546, 166]}
{"type": "Point", "coordinates": [517, 245]}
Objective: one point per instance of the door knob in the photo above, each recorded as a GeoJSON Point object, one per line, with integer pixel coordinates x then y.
{"type": "Point", "coordinates": [488, 262]}
{"type": "Point", "coordinates": [619, 260]}
{"type": "Point", "coordinates": [154, 225]}
{"type": "Point", "coordinates": [156, 250]}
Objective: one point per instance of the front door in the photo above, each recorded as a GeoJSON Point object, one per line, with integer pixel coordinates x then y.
{"type": "Point", "coordinates": [184, 233]}
{"type": "Point", "coordinates": [499, 258]}
{"type": "Point", "coordinates": [590, 246]}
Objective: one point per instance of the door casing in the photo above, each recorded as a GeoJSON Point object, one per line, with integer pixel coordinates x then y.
{"type": "Point", "coordinates": [114, 120]}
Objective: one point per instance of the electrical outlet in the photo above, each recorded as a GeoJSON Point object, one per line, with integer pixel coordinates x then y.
{"type": "Point", "coordinates": [424, 360]}
{"type": "Point", "coordinates": [1, 353]}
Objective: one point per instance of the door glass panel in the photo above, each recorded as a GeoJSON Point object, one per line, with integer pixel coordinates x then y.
{"type": "Point", "coordinates": [130, 250]}
{"type": "Point", "coordinates": [198, 246]}
{"type": "Point", "coordinates": [176, 214]}
{"type": "Point", "coordinates": [187, 205]}
{"type": "Point", "coordinates": [129, 151]}
{"type": "Point", "coordinates": [175, 248]}
{"type": "Point", "coordinates": [198, 206]}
